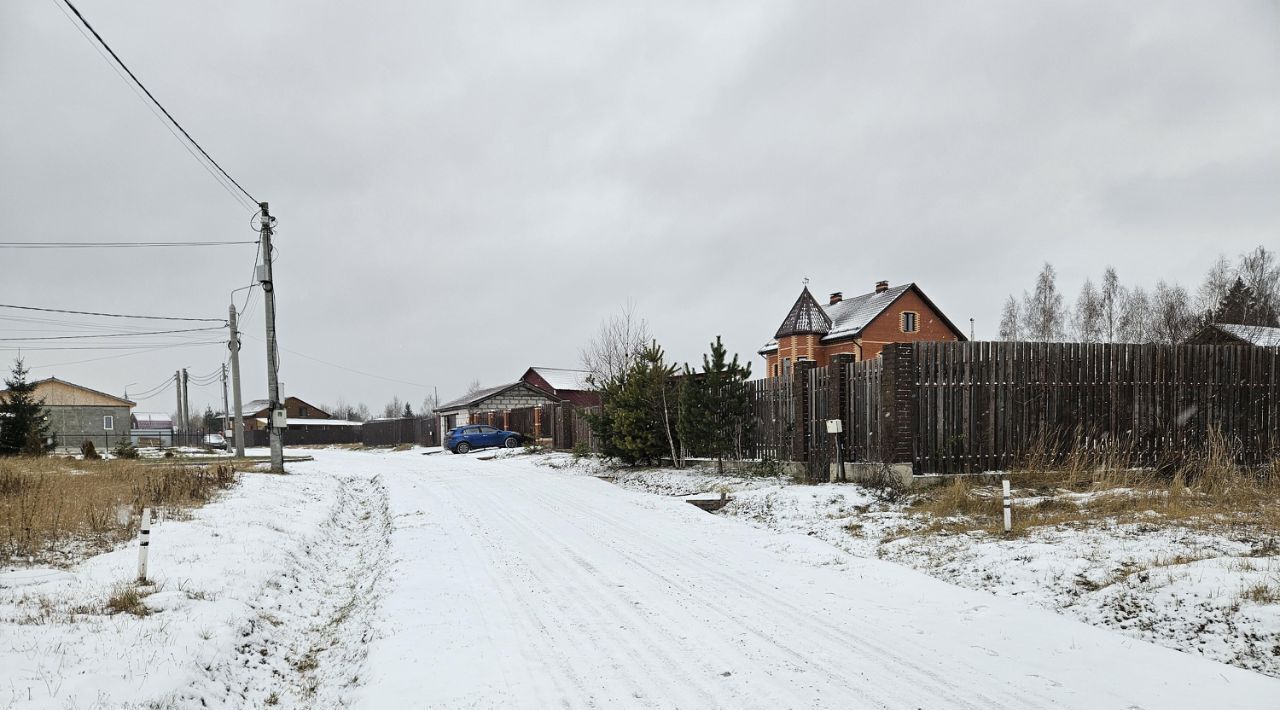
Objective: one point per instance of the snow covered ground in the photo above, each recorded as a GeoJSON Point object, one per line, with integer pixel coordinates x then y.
{"type": "Point", "coordinates": [394, 579]}
{"type": "Point", "coordinates": [1215, 593]}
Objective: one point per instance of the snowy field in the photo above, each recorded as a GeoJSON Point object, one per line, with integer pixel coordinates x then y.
{"type": "Point", "coordinates": [395, 579]}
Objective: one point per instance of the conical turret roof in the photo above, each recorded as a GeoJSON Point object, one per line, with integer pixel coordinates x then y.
{"type": "Point", "coordinates": [806, 318]}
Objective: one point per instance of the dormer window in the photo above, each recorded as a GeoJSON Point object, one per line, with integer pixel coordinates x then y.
{"type": "Point", "coordinates": [910, 321]}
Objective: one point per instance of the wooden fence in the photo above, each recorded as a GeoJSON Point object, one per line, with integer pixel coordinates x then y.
{"type": "Point", "coordinates": [969, 407]}
{"type": "Point", "coordinates": [394, 432]}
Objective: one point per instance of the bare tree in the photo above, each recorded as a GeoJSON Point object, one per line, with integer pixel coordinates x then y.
{"type": "Point", "coordinates": [1011, 320]}
{"type": "Point", "coordinates": [615, 347]}
{"type": "Point", "coordinates": [1260, 271]}
{"type": "Point", "coordinates": [1043, 314]}
{"type": "Point", "coordinates": [1216, 285]}
{"type": "Point", "coordinates": [428, 406]}
{"type": "Point", "coordinates": [1086, 320]}
{"type": "Point", "coordinates": [472, 387]}
{"type": "Point", "coordinates": [1134, 323]}
{"type": "Point", "coordinates": [360, 413]}
{"type": "Point", "coordinates": [393, 409]}
{"type": "Point", "coordinates": [1111, 303]}
{"type": "Point", "coordinates": [1173, 318]}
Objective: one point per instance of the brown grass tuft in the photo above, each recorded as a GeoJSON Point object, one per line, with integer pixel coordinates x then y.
{"type": "Point", "coordinates": [55, 510]}
{"type": "Point", "coordinates": [1200, 487]}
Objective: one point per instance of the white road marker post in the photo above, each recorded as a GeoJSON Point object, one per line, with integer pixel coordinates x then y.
{"type": "Point", "coordinates": [144, 541]}
{"type": "Point", "coordinates": [1008, 507]}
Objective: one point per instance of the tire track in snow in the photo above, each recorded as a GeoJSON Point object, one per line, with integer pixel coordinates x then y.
{"type": "Point", "coordinates": [575, 585]}
{"type": "Point", "coordinates": [304, 644]}
{"type": "Point", "coordinates": [707, 567]}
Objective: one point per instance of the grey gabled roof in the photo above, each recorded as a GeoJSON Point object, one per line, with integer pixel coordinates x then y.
{"type": "Point", "coordinates": [481, 395]}
{"type": "Point", "coordinates": [806, 317]}
{"type": "Point", "coordinates": [1261, 335]}
{"type": "Point", "coordinates": [850, 316]}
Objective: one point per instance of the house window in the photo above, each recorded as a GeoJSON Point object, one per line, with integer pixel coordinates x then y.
{"type": "Point", "coordinates": [302, 412]}
{"type": "Point", "coordinates": [910, 321]}
{"type": "Point", "coordinates": [108, 423]}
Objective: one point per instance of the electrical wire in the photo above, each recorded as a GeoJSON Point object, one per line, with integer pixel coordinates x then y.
{"type": "Point", "coordinates": [343, 367]}
{"type": "Point", "coordinates": [23, 348]}
{"type": "Point", "coordinates": [111, 335]}
{"type": "Point", "coordinates": [116, 245]}
{"type": "Point", "coordinates": [154, 100]}
{"type": "Point", "coordinates": [112, 315]}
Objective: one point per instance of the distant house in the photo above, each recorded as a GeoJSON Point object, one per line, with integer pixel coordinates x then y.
{"type": "Point", "coordinates": [151, 429]}
{"type": "Point", "coordinates": [257, 415]}
{"type": "Point", "coordinates": [515, 395]}
{"type": "Point", "coordinates": [568, 385]}
{"type": "Point", "coordinates": [77, 413]}
{"type": "Point", "coordinates": [859, 326]}
{"type": "Point", "coordinates": [1231, 334]}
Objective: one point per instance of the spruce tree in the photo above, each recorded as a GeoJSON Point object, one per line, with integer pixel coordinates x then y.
{"type": "Point", "coordinates": [715, 411]}
{"type": "Point", "coordinates": [636, 423]}
{"type": "Point", "coordinates": [23, 429]}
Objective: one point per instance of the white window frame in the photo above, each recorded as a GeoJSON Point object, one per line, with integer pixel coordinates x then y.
{"type": "Point", "coordinates": [108, 422]}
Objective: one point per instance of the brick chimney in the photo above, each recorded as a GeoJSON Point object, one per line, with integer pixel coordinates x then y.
{"type": "Point", "coordinates": [836, 298]}
{"type": "Point", "coordinates": [882, 286]}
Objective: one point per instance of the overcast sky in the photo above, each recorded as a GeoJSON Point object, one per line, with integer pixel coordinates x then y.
{"type": "Point", "coordinates": [465, 189]}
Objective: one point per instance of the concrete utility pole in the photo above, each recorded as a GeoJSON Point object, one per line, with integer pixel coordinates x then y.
{"type": "Point", "coordinates": [234, 345]}
{"type": "Point", "coordinates": [186, 402]}
{"type": "Point", "coordinates": [177, 380]}
{"type": "Point", "coordinates": [226, 412]}
{"type": "Point", "coordinates": [278, 419]}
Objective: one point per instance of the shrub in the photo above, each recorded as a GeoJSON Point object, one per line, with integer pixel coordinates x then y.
{"type": "Point", "coordinates": [89, 451]}
{"type": "Point", "coordinates": [125, 450]}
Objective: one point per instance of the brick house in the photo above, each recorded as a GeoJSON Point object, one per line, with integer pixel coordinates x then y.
{"type": "Point", "coordinates": [859, 326]}
{"type": "Point", "coordinates": [569, 385]}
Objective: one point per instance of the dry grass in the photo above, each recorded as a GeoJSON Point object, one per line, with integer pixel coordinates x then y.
{"type": "Point", "coordinates": [1204, 488]}
{"type": "Point", "coordinates": [54, 510]}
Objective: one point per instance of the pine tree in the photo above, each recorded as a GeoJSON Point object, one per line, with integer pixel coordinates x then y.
{"type": "Point", "coordinates": [23, 429]}
{"type": "Point", "coordinates": [715, 410]}
{"type": "Point", "coordinates": [638, 411]}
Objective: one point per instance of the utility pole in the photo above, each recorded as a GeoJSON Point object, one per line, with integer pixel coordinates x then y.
{"type": "Point", "coordinates": [226, 412]}
{"type": "Point", "coordinates": [278, 419]}
{"type": "Point", "coordinates": [234, 346]}
{"type": "Point", "coordinates": [177, 380]}
{"type": "Point", "coordinates": [186, 401]}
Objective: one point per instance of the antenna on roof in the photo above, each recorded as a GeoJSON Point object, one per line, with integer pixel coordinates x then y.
{"type": "Point", "coordinates": [806, 282]}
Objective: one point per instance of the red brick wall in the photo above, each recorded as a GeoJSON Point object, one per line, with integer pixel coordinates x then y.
{"type": "Point", "coordinates": [577, 398]}
{"type": "Point", "coordinates": [887, 328]}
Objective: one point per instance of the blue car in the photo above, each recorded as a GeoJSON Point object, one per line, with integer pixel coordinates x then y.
{"type": "Point", "coordinates": [462, 439]}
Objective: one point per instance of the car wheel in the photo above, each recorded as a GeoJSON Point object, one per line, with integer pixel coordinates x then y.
{"type": "Point", "coordinates": [462, 448]}
{"type": "Point", "coordinates": [511, 442]}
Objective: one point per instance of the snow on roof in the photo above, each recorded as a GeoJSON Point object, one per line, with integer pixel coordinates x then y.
{"type": "Point", "coordinates": [850, 316]}
{"type": "Point", "coordinates": [152, 420]}
{"type": "Point", "coordinates": [847, 317]}
{"type": "Point", "coordinates": [805, 316]}
{"type": "Point", "coordinates": [561, 379]}
{"type": "Point", "coordinates": [1261, 335]}
{"type": "Point", "coordinates": [254, 406]}
{"type": "Point", "coordinates": [314, 422]}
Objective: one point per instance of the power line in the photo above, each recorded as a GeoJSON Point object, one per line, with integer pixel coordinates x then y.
{"type": "Point", "coordinates": [160, 106]}
{"type": "Point", "coordinates": [348, 369]}
{"type": "Point", "coordinates": [111, 335]}
{"type": "Point", "coordinates": [115, 245]}
{"type": "Point", "coordinates": [112, 315]}
{"type": "Point", "coordinates": [113, 357]}
{"type": "Point", "coordinates": [137, 346]}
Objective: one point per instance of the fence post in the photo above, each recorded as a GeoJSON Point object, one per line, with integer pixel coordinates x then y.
{"type": "Point", "coordinates": [566, 426]}
{"type": "Point", "coordinates": [800, 400]}
{"type": "Point", "coordinates": [838, 399]}
{"type": "Point", "coordinates": [144, 542]}
{"type": "Point", "coordinates": [899, 392]}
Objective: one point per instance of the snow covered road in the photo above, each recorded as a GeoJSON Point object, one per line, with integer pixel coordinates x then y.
{"type": "Point", "coordinates": [397, 580]}
{"type": "Point", "coordinates": [512, 585]}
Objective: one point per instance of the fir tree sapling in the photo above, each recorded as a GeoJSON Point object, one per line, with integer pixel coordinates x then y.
{"type": "Point", "coordinates": [24, 429]}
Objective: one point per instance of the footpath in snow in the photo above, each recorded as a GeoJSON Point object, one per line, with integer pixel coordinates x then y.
{"type": "Point", "coordinates": [398, 580]}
